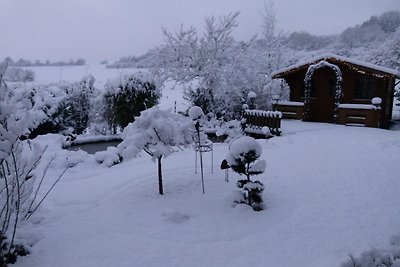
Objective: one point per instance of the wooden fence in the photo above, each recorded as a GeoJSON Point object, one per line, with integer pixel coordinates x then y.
{"type": "Point", "coordinates": [255, 122]}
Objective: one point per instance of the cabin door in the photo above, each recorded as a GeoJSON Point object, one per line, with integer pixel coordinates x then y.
{"type": "Point", "coordinates": [322, 100]}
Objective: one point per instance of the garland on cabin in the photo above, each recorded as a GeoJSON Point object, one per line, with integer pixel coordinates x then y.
{"type": "Point", "coordinates": [363, 72]}
{"type": "Point", "coordinates": [307, 82]}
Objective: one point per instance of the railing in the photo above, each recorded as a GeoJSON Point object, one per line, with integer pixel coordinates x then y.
{"type": "Point", "coordinates": [359, 115]}
{"type": "Point", "coordinates": [291, 110]}
{"type": "Point", "coordinates": [255, 122]}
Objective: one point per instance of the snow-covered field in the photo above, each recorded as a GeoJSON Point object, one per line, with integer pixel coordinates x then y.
{"type": "Point", "coordinates": [52, 74]}
{"type": "Point", "coordinates": [330, 190]}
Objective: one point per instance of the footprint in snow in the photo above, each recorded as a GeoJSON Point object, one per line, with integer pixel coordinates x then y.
{"type": "Point", "coordinates": [175, 217]}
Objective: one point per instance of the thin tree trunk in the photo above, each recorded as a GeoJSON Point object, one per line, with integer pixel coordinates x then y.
{"type": "Point", "coordinates": [160, 183]}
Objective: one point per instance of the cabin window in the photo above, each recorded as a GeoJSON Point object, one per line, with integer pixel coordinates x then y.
{"type": "Point", "coordinates": [365, 88]}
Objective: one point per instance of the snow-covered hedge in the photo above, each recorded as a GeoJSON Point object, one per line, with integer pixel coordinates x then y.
{"type": "Point", "coordinates": [126, 97]}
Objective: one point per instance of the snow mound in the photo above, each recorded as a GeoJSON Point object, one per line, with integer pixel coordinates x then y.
{"type": "Point", "coordinates": [109, 157]}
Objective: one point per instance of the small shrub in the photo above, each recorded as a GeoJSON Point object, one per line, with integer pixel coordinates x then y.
{"type": "Point", "coordinates": [243, 158]}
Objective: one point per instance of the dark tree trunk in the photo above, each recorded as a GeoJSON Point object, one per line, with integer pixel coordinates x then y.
{"type": "Point", "coordinates": [160, 184]}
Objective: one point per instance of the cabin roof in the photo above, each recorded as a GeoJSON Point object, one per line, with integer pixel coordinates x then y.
{"type": "Point", "coordinates": [356, 65]}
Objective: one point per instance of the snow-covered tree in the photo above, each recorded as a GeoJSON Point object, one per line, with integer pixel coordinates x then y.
{"type": "Point", "coordinates": [388, 53]}
{"type": "Point", "coordinates": [158, 133]}
{"type": "Point", "coordinates": [218, 72]}
{"type": "Point", "coordinates": [389, 21]}
{"type": "Point", "coordinates": [209, 64]}
{"type": "Point", "coordinates": [243, 157]}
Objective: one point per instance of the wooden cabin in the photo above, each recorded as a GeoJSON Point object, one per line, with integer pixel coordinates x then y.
{"type": "Point", "coordinates": [332, 88]}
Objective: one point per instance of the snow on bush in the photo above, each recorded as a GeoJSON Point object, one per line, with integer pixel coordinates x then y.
{"type": "Point", "coordinates": [18, 162]}
{"type": "Point", "coordinates": [231, 129]}
{"type": "Point", "coordinates": [377, 257]}
{"type": "Point", "coordinates": [126, 97]}
{"type": "Point", "coordinates": [243, 158]}
{"type": "Point", "coordinates": [109, 157]}
{"type": "Point", "coordinates": [158, 133]}
{"type": "Point", "coordinates": [243, 151]}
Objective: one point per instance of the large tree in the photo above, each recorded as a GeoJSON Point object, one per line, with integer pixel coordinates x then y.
{"type": "Point", "coordinates": [218, 71]}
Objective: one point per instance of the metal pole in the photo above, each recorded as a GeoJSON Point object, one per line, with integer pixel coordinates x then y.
{"type": "Point", "coordinates": [201, 155]}
{"type": "Point", "coordinates": [195, 161]}
{"type": "Point", "coordinates": [212, 158]}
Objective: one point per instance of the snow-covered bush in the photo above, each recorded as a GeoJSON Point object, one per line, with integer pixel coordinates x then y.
{"type": "Point", "coordinates": [125, 98]}
{"type": "Point", "coordinates": [64, 107]}
{"type": "Point", "coordinates": [18, 162]}
{"type": "Point", "coordinates": [73, 111]}
{"type": "Point", "coordinates": [158, 133]}
{"type": "Point", "coordinates": [229, 129]}
{"type": "Point", "coordinates": [243, 158]}
{"type": "Point", "coordinates": [377, 257]}
{"type": "Point", "coordinates": [109, 157]}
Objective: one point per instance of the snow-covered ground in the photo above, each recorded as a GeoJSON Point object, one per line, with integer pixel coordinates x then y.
{"type": "Point", "coordinates": [330, 190]}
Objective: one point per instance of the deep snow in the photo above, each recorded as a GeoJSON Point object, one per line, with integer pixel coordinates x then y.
{"type": "Point", "coordinates": [330, 190]}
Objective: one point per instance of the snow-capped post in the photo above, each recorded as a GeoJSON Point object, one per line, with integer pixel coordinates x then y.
{"type": "Point", "coordinates": [243, 158]}
{"type": "Point", "coordinates": [377, 101]}
{"type": "Point", "coordinates": [156, 132]}
{"type": "Point", "coordinates": [196, 113]}
{"type": "Point", "coordinates": [251, 96]}
{"type": "Point", "coordinates": [275, 100]}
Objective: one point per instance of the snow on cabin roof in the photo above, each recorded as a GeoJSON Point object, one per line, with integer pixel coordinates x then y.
{"type": "Point", "coordinates": [281, 73]}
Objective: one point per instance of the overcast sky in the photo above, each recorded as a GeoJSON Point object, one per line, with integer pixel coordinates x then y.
{"type": "Point", "coordinates": [109, 29]}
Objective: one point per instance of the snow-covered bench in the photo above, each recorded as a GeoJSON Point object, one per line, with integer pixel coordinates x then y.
{"type": "Point", "coordinates": [260, 122]}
